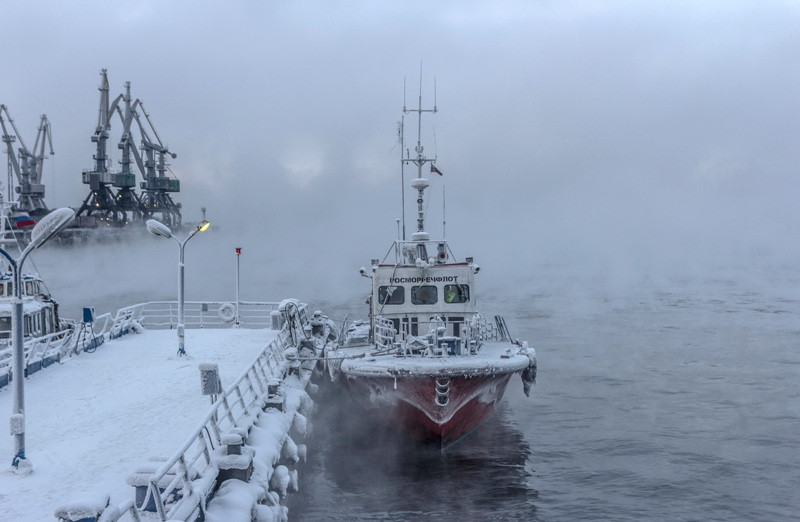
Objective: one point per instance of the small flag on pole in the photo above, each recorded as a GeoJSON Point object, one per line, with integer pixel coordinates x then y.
{"type": "Point", "coordinates": [435, 170]}
{"type": "Point", "coordinates": [22, 220]}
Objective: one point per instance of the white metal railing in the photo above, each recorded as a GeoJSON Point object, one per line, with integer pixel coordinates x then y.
{"type": "Point", "coordinates": [191, 468]}
{"type": "Point", "coordinates": [472, 333]}
{"type": "Point", "coordinates": [204, 314]}
{"type": "Point", "coordinates": [384, 332]}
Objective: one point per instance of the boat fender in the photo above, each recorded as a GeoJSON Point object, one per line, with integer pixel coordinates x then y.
{"type": "Point", "coordinates": [227, 312]}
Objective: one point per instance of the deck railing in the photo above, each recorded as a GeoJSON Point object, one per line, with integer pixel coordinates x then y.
{"type": "Point", "coordinates": [471, 331]}
{"type": "Point", "coordinates": [204, 314]}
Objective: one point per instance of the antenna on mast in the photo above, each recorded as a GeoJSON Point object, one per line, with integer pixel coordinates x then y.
{"type": "Point", "coordinates": [444, 215]}
{"type": "Point", "coordinates": [420, 183]}
{"type": "Point", "coordinates": [404, 94]}
{"type": "Point", "coordinates": [401, 136]}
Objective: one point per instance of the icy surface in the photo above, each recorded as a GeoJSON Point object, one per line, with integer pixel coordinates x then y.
{"type": "Point", "coordinates": [94, 421]}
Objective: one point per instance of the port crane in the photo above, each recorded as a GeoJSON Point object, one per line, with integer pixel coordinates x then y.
{"type": "Point", "coordinates": [157, 185]}
{"type": "Point", "coordinates": [27, 165]}
{"type": "Point", "coordinates": [100, 204]}
{"type": "Point", "coordinates": [126, 206]}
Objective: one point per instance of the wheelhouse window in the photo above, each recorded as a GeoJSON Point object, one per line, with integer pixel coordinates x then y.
{"type": "Point", "coordinates": [393, 295]}
{"type": "Point", "coordinates": [456, 293]}
{"type": "Point", "coordinates": [424, 295]}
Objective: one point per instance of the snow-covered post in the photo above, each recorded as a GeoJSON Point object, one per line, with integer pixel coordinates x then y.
{"type": "Point", "coordinates": [181, 300]}
{"type": "Point", "coordinates": [160, 229]}
{"type": "Point", "coordinates": [46, 228]}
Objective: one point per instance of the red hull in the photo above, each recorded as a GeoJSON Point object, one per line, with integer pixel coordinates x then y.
{"type": "Point", "coordinates": [430, 409]}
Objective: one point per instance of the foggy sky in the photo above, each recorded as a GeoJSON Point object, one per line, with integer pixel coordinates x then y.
{"type": "Point", "coordinates": [618, 134]}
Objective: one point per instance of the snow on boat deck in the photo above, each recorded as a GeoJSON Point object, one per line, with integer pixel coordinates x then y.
{"type": "Point", "coordinates": [93, 420]}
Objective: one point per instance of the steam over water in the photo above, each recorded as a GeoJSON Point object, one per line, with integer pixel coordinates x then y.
{"type": "Point", "coordinates": [660, 397]}
{"type": "Point", "coordinates": [670, 400]}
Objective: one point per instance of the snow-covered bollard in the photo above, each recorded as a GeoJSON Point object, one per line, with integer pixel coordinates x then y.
{"type": "Point", "coordinates": [233, 441]}
{"type": "Point", "coordinates": [270, 513]}
{"type": "Point", "coordinates": [85, 510]}
{"type": "Point", "coordinates": [289, 451]}
{"type": "Point", "coordinates": [280, 480]}
{"type": "Point", "coordinates": [300, 424]}
{"type": "Point", "coordinates": [291, 354]}
{"type": "Point", "coordinates": [306, 404]}
{"type": "Point", "coordinates": [237, 466]}
{"type": "Point", "coordinates": [275, 396]}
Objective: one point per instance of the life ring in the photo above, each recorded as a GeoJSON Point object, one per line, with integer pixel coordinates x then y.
{"type": "Point", "coordinates": [227, 312]}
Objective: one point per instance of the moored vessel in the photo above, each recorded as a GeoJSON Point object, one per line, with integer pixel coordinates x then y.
{"type": "Point", "coordinates": [426, 359]}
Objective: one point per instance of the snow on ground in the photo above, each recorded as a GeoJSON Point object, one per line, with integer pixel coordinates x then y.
{"type": "Point", "coordinates": [93, 420]}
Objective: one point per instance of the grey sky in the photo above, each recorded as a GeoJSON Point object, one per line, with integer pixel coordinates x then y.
{"type": "Point", "coordinates": [607, 131]}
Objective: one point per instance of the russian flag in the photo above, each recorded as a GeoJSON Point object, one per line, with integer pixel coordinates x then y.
{"type": "Point", "coordinates": [23, 220]}
{"type": "Point", "coordinates": [435, 170]}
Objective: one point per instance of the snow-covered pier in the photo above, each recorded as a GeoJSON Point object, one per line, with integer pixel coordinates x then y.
{"type": "Point", "coordinates": [129, 432]}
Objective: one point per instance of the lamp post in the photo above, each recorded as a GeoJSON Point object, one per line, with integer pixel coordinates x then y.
{"type": "Point", "coordinates": [46, 228]}
{"type": "Point", "coordinates": [160, 229]}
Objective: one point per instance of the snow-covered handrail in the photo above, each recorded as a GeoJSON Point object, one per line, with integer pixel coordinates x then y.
{"type": "Point", "coordinates": [237, 409]}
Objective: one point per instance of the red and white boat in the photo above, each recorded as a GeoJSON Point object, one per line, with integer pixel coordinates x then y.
{"type": "Point", "coordinates": [427, 360]}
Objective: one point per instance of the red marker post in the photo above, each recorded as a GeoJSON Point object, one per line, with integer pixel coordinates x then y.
{"type": "Point", "coordinates": [238, 253]}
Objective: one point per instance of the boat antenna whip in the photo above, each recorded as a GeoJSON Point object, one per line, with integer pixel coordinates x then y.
{"type": "Point", "coordinates": [420, 159]}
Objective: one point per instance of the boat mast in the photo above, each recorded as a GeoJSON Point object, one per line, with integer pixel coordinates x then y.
{"type": "Point", "coordinates": [420, 160]}
{"type": "Point", "coordinates": [401, 136]}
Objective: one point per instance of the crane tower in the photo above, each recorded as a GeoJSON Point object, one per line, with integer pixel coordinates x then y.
{"type": "Point", "coordinates": [27, 165]}
{"type": "Point", "coordinates": [102, 205]}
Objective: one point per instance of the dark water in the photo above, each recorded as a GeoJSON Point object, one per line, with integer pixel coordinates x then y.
{"type": "Point", "coordinates": [676, 399]}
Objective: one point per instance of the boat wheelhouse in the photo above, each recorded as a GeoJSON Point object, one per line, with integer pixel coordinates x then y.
{"type": "Point", "coordinates": [413, 299]}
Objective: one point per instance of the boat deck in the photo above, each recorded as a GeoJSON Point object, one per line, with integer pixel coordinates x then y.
{"type": "Point", "coordinates": [493, 358]}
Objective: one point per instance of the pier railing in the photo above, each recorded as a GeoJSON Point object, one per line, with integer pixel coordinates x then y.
{"type": "Point", "coordinates": [205, 314]}
{"type": "Point", "coordinates": [189, 474]}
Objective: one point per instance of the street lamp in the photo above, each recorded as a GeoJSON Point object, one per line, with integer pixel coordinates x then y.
{"type": "Point", "coordinates": [160, 229]}
{"type": "Point", "coordinates": [46, 228]}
